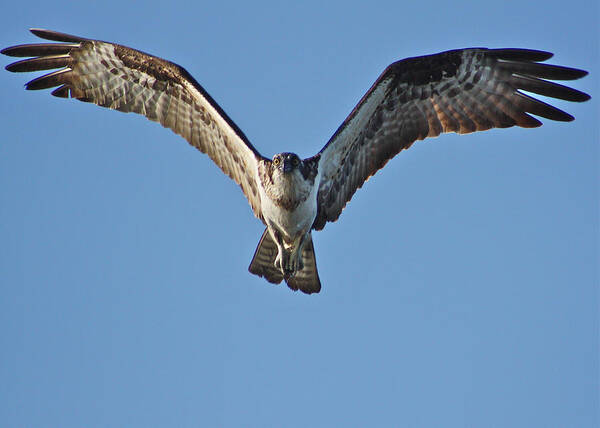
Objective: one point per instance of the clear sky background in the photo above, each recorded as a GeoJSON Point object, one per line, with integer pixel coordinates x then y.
{"type": "Point", "coordinates": [460, 286]}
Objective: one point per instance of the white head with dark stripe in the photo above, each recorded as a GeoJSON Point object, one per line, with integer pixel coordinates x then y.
{"type": "Point", "coordinates": [287, 179]}
{"type": "Point", "coordinates": [286, 162]}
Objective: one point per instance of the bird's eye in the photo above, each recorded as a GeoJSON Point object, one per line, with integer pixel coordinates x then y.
{"type": "Point", "coordinates": [295, 162]}
{"type": "Point", "coordinates": [276, 161]}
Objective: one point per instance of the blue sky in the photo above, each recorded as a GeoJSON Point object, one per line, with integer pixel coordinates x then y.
{"type": "Point", "coordinates": [460, 286]}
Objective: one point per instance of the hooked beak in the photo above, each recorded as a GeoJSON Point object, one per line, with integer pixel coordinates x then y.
{"type": "Point", "coordinates": [287, 166]}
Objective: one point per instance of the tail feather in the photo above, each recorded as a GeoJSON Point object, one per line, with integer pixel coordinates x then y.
{"type": "Point", "coordinates": [263, 264]}
{"type": "Point", "coordinates": [307, 280]}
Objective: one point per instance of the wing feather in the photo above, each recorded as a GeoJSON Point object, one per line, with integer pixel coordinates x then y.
{"type": "Point", "coordinates": [460, 91]}
{"type": "Point", "coordinates": [125, 79]}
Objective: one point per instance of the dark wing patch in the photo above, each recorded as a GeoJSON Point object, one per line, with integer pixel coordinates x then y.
{"type": "Point", "coordinates": [128, 80]}
{"type": "Point", "coordinates": [461, 91]}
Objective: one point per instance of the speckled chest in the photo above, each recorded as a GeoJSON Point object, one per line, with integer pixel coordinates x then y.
{"type": "Point", "coordinates": [289, 201]}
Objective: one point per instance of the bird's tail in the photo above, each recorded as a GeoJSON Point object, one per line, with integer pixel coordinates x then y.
{"type": "Point", "coordinates": [263, 264]}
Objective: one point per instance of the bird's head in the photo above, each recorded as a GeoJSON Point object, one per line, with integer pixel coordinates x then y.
{"type": "Point", "coordinates": [286, 162]}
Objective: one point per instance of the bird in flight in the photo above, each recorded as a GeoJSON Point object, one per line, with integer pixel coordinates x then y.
{"type": "Point", "coordinates": [462, 91]}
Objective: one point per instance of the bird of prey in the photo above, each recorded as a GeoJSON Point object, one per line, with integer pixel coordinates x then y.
{"type": "Point", "coordinates": [462, 91]}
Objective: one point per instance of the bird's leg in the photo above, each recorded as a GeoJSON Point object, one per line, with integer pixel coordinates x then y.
{"type": "Point", "coordinates": [287, 268]}
{"type": "Point", "coordinates": [289, 255]}
{"type": "Point", "coordinates": [293, 257]}
{"type": "Point", "coordinates": [279, 242]}
{"type": "Point", "coordinates": [299, 246]}
{"type": "Point", "coordinates": [282, 260]}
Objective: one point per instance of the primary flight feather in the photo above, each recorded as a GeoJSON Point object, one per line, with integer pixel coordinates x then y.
{"type": "Point", "coordinates": [463, 91]}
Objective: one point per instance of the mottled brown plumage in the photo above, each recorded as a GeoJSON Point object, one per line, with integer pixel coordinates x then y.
{"type": "Point", "coordinates": [461, 91]}
{"type": "Point", "coordinates": [128, 80]}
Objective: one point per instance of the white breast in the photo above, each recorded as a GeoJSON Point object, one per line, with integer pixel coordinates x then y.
{"type": "Point", "coordinates": [295, 222]}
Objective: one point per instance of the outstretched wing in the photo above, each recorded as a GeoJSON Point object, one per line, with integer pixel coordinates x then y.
{"type": "Point", "coordinates": [461, 91]}
{"type": "Point", "coordinates": [128, 80]}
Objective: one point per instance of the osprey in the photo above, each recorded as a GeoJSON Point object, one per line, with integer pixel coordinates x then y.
{"type": "Point", "coordinates": [462, 91]}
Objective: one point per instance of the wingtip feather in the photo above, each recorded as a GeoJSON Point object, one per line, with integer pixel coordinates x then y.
{"type": "Point", "coordinates": [38, 64]}
{"type": "Point", "coordinates": [50, 80]}
{"type": "Point", "coordinates": [55, 35]}
{"type": "Point", "coordinates": [61, 92]}
{"type": "Point", "coordinates": [520, 54]}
